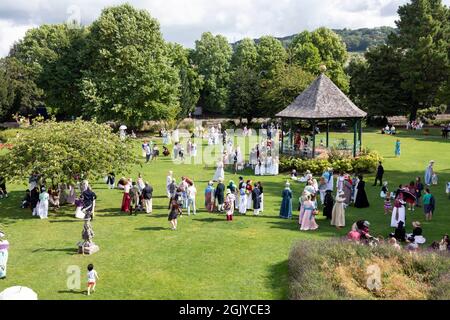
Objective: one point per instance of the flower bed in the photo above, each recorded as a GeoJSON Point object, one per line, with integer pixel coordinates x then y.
{"type": "Point", "coordinates": [366, 162]}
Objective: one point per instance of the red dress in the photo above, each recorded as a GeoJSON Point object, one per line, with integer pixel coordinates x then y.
{"type": "Point", "coordinates": [126, 201]}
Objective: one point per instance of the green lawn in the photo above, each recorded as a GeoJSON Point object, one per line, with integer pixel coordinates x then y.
{"type": "Point", "coordinates": [207, 258]}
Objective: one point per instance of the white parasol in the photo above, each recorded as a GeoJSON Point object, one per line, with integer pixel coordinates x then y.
{"type": "Point", "coordinates": [123, 127]}
{"type": "Point", "coordinates": [18, 293]}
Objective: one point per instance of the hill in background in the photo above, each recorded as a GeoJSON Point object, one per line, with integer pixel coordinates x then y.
{"type": "Point", "coordinates": [358, 40]}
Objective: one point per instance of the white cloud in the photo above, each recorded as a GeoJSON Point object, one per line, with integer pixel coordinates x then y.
{"type": "Point", "coordinates": [183, 21]}
{"type": "Point", "coordinates": [9, 33]}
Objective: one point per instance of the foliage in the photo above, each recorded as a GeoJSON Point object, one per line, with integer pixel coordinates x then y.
{"type": "Point", "coordinates": [431, 113]}
{"type": "Point", "coordinates": [191, 81]}
{"type": "Point", "coordinates": [365, 163]}
{"type": "Point", "coordinates": [287, 83]}
{"type": "Point", "coordinates": [212, 55]}
{"type": "Point", "coordinates": [412, 71]}
{"type": "Point", "coordinates": [18, 91]}
{"type": "Point", "coordinates": [356, 40]}
{"type": "Point", "coordinates": [61, 151]}
{"type": "Point", "coordinates": [342, 272]}
{"type": "Point", "coordinates": [131, 78]}
{"type": "Point", "coordinates": [245, 55]}
{"type": "Point", "coordinates": [322, 46]}
{"type": "Point", "coordinates": [55, 54]}
{"type": "Point", "coordinates": [245, 94]}
{"type": "Point", "coordinates": [271, 55]}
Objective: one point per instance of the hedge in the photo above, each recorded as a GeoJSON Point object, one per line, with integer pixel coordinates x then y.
{"type": "Point", "coordinates": [365, 163]}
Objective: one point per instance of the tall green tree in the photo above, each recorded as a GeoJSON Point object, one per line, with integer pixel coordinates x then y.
{"type": "Point", "coordinates": [245, 94]}
{"type": "Point", "coordinates": [423, 38]}
{"type": "Point", "coordinates": [323, 46]}
{"type": "Point", "coordinates": [190, 80]}
{"type": "Point", "coordinates": [288, 82]}
{"type": "Point", "coordinates": [131, 78]}
{"type": "Point", "coordinates": [213, 57]}
{"type": "Point", "coordinates": [245, 55]}
{"type": "Point", "coordinates": [376, 82]}
{"type": "Point", "coordinates": [18, 92]}
{"type": "Point", "coordinates": [271, 55]}
{"type": "Point", "coordinates": [53, 54]}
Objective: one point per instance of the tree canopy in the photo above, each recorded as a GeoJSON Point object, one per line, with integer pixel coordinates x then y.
{"type": "Point", "coordinates": [213, 57]}
{"type": "Point", "coordinates": [63, 151]}
{"type": "Point", "coordinates": [131, 78]}
{"type": "Point", "coordinates": [309, 50]}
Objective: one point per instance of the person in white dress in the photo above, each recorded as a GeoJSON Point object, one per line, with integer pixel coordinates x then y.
{"type": "Point", "coordinates": [269, 165]}
{"type": "Point", "coordinates": [191, 194]}
{"type": "Point", "coordinates": [262, 166]}
{"type": "Point", "coordinates": [258, 169]}
{"type": "Point", "coordinates": [220, 173]}
{"type": "Point", "coordinates": [399, 212]}
{"type": "Point", "coordinates": [42, 207]}
{"type": "Point", "coordinates": [276, 162]}
{"type": "Point", "coordinates": [168, 182]}
{"type": "Point", "coordinates": [243, 199]}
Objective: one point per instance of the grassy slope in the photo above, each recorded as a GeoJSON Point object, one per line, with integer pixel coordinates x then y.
{"type": "Point", "coordinates": [207, 258]}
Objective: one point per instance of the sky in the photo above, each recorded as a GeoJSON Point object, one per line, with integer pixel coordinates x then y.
{"type": "Point", "coordinates": [183, 21]}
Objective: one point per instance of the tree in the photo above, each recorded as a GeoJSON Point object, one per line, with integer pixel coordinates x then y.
{"type": "Point", "coordinates": [213, 56]}
{"type": "Point", "coordinates": [271, 55]}
{"type": "Point", "coordinates": [376, 82]}
{"type": "Point", "coordinates": [245, 93]}
{"type": "Point", "coordinates": [190, 80]}
{"type": "Point", "coordinates": [311, 49]}
{"type": "Point", "coordinates": [131, 78]}
{"type": "Point", "coordinates": [18, 93]}
{"type": "Point", "coordinates": [245, 55]}
{"type": "Point", "coordinates": [53, 54]}
{"type": "Point", "coordinates": [423, 38]}
{"type": "Point", "coordinates": [288, 82]}
{"type": "Point", "coordinates": [61, 151]}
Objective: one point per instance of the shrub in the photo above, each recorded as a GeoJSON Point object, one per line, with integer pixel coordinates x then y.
{"type": "Point", "coordinates": [340, 270]}
{"type": "Point", "coordinates": [365, 163]}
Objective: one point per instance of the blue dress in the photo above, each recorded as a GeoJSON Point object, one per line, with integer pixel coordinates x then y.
{"type": "Point", "coordinates": [397, 148]}
{"type": "Point", "coordinates": [286, 204]}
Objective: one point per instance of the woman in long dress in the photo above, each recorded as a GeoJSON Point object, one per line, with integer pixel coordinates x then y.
{"type": "Point", "coordinates": [286, 203]}
{"type": "Point", "coordinates": [361, 200]}
{"type": "Point", "coordinates": [249, 185]}
{"type": "Point", "coordinates": [169, 179]}
{"type": "Point", "coordinates": [338, 214]}
{"type": "Point", "coordinates": [309, 214]}
{"type": "Point", "coordinates": [4, 247]}
{"type": "Point", "coordinates": [328, 204]}
{"type": "Point", "coordinates": [126, 200]}
{"type": "Point", "coordinates": [71, 195]}
{"type": "Point", "coordinates": [261, 189]}
{"type": "Point", "coordinates": [429, 174]}
{"type": "Point", "coordinates": [209, 197]}
{"type": "Point", "coordinates": [220, 173]}
{"type": "Point", "coordinates": [243, 199]}
{"type": "Point", "coordinates": [42, 208]}
{"type": "Point", "coordinates": [399, 211]}
{"type": "Point", "coordinates": [347, 188]}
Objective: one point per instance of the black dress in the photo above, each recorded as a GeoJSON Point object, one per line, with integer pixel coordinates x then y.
{"type": "Point", "coordinates": [328, 204]}
{"type": "Point", "coordinates": [220, 193]}
{"type": "Point", "coordinates": [361, 197]}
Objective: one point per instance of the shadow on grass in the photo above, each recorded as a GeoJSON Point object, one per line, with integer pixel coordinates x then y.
{"type": "Point", "coordinates": [151, 229]}
{"type": "Point", "coordinates": [69, 251]}
{"type": "Point", "coordinates": [84, 292]}
{"type": "Point", "coordinates": [278, 279]}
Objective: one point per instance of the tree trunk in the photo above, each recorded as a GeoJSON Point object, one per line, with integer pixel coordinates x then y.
{"type": "Point", "coordinates": [413, 114]}
{"type": "Point", "coordinates": [249, 120]}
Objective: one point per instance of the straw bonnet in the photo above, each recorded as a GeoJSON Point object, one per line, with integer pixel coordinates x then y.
{"type": "Point", "coordinates": [416, 224]}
